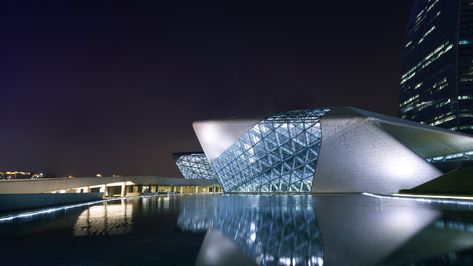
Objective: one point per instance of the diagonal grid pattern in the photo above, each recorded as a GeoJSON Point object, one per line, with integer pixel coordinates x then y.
{"type": "Point", "coordinates": [279, 154]}
{"type": "Point", "coordinates": [195, 166]}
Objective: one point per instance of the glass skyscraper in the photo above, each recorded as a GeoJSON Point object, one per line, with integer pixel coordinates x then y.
{"type": "Point", "coordinates": [437, 77]}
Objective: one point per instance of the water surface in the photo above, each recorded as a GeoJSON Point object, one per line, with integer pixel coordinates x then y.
{"type": "Point", "coordinates": [244, 230]}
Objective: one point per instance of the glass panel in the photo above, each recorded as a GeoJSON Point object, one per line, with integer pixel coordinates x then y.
{"type": "Point", "coordinates": [277, 154]}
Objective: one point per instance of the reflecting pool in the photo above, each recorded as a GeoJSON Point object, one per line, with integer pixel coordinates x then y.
{"type": "Point", "coordinates": [350, 229]}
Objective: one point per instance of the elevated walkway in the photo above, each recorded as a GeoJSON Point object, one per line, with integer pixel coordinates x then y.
{"type": "Point", "coordinates": [131, 184]}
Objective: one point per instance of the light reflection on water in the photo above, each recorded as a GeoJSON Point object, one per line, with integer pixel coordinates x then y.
{"type": "Point", "coordinates": [246, 230]}
{"type": "Point", "coordinates": [324, 230]}
{"type": "Point", "coordinates": [270, 229]}
{"type": "Point", "coordinates": [107, 219]}
{"type": "Point", "coordinates": [116, 217]}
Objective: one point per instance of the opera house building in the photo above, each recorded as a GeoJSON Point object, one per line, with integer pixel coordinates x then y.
{"type": "Point", "coordinates": [194, 165]}
{"type": "Point", "coordinates": [324, 150]}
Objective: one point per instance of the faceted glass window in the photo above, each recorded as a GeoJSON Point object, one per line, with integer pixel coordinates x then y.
{"type": "Point", "coordinates": [278, 154]}
{"type": "Point", "coordinates": [194, 166]}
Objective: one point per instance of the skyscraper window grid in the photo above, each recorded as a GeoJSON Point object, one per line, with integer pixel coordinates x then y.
{"type": "Point", "coordinates": [429, 79]}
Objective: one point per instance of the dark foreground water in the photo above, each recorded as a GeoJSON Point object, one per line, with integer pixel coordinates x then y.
{"type": "Point", "coordinates": [244, 230]}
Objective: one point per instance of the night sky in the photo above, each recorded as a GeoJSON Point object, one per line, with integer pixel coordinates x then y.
{"type": "Point", "coordinates": [114, 88]}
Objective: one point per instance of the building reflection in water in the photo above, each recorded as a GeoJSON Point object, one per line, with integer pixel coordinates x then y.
{"type": "Point", "coordinates": [324, 229]}
{"type": "Point", "coordinates": [300, 229]}
{"type": "Point", "coordinates": [447, 241]}
{"type": "Point", "coordinates": [268, 230]}
{"type": "Point", "coordinates": [111, 218]}
{"type": "Point", "coordinates": [359, 230]}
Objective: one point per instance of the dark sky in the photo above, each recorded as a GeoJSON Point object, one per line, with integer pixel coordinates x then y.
{"type": "Point", "coordinates": [114, 88]}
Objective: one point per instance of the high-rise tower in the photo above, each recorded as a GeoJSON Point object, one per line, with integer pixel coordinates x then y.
{"type": "Point", "coordinates": [437, 77]}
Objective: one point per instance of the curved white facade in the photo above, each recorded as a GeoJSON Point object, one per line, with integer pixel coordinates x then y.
{"type": "Point", "coordinates": [217, 136]}
{"type": "Point", "coordinates": [356, 151]}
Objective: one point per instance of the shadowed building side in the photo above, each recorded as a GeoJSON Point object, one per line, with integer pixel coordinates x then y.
{"type": "Point", "coordinates": [457, 182]}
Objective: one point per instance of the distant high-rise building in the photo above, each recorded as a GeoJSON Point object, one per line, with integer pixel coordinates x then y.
{"type": "Point", "coordinates": [437, 77]}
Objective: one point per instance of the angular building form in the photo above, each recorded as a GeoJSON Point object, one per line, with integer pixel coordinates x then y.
{"type": "Point", "coordinates": [277, 154]}
{"type": "Point", "coordinates": [437, 77]}
{"type": "Point", "coordinates": [339, 149]}
{"type": "Point", "coordinates": [194, 165]}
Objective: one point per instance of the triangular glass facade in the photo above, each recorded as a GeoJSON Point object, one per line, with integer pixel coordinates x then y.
{"type": "Point", "coordinates": [279, 154]}
{"type": "Point", "coordinates": [195, 166]}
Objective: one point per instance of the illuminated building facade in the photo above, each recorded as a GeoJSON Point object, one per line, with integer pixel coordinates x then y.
{"type": "Point", "coordinates": [340, 149]}
{"type": "Point", "coordinates": [194, 165]}
{"type": "Point", "coordinates": [277, 154]}
{"type": "Point", "coordinates": [437, 77]}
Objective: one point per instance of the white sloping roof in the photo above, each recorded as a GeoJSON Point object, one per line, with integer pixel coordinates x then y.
{"type": "Point", "coordinates": [426, 141]}
{"type": "Point", "coordinates": [218, 135]}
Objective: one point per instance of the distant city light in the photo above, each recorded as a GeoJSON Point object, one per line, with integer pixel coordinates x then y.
{"type": "Point", "coordinates": [7, 175]}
